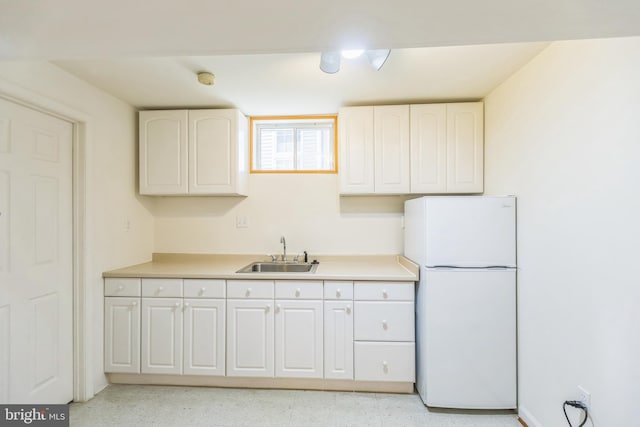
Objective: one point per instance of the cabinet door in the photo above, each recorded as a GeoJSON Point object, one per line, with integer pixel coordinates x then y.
{"type": "Point", "coordinates": [338, 340]}
{"type": "Point", "coordinates": [122, 335]}
{"type": "Point", "coordinates": [429, 148]}
{"type": "Point", "coordinates": [391, 152]}
{"type": "Point", "coordinates": [212, 151]}
{"type": "Point", "coordinates": [161, 336]}
{"type": "Point", "coordinates": [163, 152]}
{"type": "Point", "coordinates": [204, 337]}
{"type": "Point", "coordinates": [465, 146]}
{"type": "Point", "coordinates": [298, 339]}
{"type": "Point", "coordinates": [355, 139]}
{"type": "Point", "coordinates": [249, 338]}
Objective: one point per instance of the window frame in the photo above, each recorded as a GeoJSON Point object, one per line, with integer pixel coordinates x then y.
{"type": "Point", "coordinates": [254, 120]}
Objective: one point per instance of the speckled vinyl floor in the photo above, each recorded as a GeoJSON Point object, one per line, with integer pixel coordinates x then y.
{"type": "Point", "coordinates": [133, 405]}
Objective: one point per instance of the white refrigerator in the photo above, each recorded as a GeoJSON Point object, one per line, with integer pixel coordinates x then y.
{"type": "Point", "coordinates": [466, 299]}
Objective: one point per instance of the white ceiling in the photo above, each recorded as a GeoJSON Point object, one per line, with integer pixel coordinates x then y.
{"type": "Point", "coordinates": [265, 54]}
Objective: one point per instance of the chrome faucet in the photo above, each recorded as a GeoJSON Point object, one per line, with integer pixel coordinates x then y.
{"type": "Point", "coordinates": [284, 247]}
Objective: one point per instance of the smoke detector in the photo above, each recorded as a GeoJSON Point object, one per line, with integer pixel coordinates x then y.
{"type": "Point", "coordinates": [206, 78]}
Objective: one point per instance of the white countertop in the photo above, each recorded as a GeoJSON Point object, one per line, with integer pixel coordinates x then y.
{"type": "Point", "coordinates": [209, 266]}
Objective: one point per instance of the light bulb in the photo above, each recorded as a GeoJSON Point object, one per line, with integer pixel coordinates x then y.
{"type": "Point", "coordinates": [352, 53]}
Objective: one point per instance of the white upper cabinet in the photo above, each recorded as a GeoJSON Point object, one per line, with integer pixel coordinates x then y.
{"type": "Point", "coordinates": [420, 149]}
{"type": "Point", "coordinates": [429, 148]}
{"type": "Point", "coordinates": [374, 149]}
{"type": "Point", "coordinates": [447, 143]}
{"type": "Point", "coordinates": [465, 147]}
{"type": "Point", "coordinates": [391, 149]}
{"type": "Point", "coordinates": [197, 152]}
{"type": "Point", "coordinates": [163, 152]}
{"type": "Point", "coordinates": [355, 138]}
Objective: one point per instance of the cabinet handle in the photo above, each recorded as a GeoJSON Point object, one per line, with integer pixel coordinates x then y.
{"type": "Point", "coordinates": [267, 308]}
{"type": "Point", "coordinates": [248, 292]}
{"type": "Point", "coordinates": [177, 304]}
{"type": "Point", "coordinates": [160, 288]}
{"type": "Point", "coordinates": [186, 304]}
{"type": "Point", "coordinates": [134, 303]}
{"type": "Point", "coordinates": [338, 293]}
{"type": "Point", "coordinates": [120, 287]}
{"type": "Point", "coordinates": [202, 290]}
{"type": "Point", "coordinates": [278, 307]}
{"type": "Point", "coordinates": [385, 294]}
{"type": "Point", "coordinates": [385, 366]}
{"type": "Point", "coordinates": [385, 325]}
{"type": "Point", "coordinates": [298, 292]}
{"type": "Point", "coordinates": [348, 309]}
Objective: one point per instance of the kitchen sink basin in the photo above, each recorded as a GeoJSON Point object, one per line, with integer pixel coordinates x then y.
{"type": "Point", "coordinates": [279, 267]}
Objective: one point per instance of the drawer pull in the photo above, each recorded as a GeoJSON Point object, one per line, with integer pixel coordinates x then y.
{"type": "Point", "coordinates": [161, 288]}
{"type": "Point", "coordinates": [202, 291]}
{"type": "Point", "coordinates": [385, 295]}
{"type": "Point", "coordinates": [120, 287]}
{"type": "Point", "coordinates": [338, 293]}
{"type": "Point", "coordinates": [385, 326]}
{"type": "Point", "coordinates": [248, 292]}
{"type": "Point", "coordinates": [298, 292]}
{"type": "Point", "coordinates": [385, 366]}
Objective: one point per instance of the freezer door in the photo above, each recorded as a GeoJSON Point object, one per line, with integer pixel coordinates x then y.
{"type": "Point", "coordinates": [471, 231]}
{"type": "Point", "coordinates": [414, 230]}
{"type": "Point", "coordinates": [467, 338]}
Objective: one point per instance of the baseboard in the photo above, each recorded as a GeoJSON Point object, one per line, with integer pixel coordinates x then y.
{"type": "Point", "coordinates": [527, 419]}
{"type": "Point", "coordinates": [277, 383]}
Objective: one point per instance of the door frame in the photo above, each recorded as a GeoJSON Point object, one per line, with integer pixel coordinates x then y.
{"type": "Point", "coordinates": [83, 384]}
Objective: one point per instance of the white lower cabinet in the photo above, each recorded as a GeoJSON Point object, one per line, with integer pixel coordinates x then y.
{"type": "Point", "coordinates": [161, 351]}
{"type": "Point", "coordinates": [384, 331]}
{"type": "Point", "coordinates": [204, 337]}
{"type": "Point", "coordinates": [122, 325]}
{"type": "Point", "coordinates": [122, 334]}
{"type": "Point", "coordinates": [338, 340]}
{"type": "Point", "coordinates": [298, 338]}
{"type": "Point", "coordinates": [385, 361]}
{"type": "Point", "coordinates": [250, 338]}
{"type": "Point", "coordinates": [338, 330]}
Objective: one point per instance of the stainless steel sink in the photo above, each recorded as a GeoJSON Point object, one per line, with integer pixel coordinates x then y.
{"type": "Point", "coordinates": [279, 267]}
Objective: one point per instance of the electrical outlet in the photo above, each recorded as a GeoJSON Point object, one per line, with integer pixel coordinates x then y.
{"type": "Point", "coordinates": [242, 222]}
{"type": "Point", "coordinates": [584, 396]}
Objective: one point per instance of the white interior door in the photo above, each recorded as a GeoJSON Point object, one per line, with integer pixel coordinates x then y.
{"type": "Point", "coordinates": [36, 286]}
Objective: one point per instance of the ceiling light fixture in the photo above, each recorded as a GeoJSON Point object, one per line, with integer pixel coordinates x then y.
{"type": "Point", "coordinates": [330, 61]}
{"type": "Point", "coordinates": [206, 78]}
{"type": "Point", "coordinates": [378, 57]}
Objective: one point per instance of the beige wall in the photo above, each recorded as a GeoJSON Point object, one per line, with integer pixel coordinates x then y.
{"type": "Point", "coordinates": [111, 163]}
{"type": "Point", "coordinates": [563, 134]}
{"type": "Point", "coordinates": [305, 208]}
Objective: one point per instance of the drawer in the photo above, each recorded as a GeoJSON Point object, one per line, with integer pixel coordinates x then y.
{"type": "Point", "coordinates": [121, 287]}
{"type": "Point", "coordinates": [204, 288]}
{"type": "Point", "coordinates": [338, 290]}
{"type": "Point", "coordinates": [383, 321]}
{"type": "Point", "coordinates": [251, 289]}
{"type": "Point", "coordinates": [162, 288]}
{"type": "Point", "coordinates": [394, 361]}
{"type": "Point", "coordinates": [301, 289]}
{"type": "Point", "coordinates": [384, 291]}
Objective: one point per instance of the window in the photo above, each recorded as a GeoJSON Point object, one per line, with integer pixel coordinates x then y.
{"type": "Point", "coordinates": [302, 144]}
